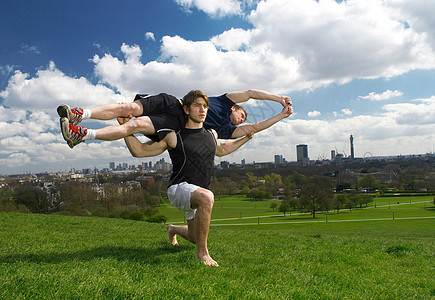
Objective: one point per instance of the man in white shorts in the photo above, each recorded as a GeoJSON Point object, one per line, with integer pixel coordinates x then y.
{"type": "Point", "coordinates": [192, 152]}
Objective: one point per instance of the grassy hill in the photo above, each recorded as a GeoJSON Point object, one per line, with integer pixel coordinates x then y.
{"type": "Point", "coordinates": [60, 257]}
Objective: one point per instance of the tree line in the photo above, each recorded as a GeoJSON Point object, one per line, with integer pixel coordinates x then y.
{"type": "Point", "coordinates": [120, 200]}
{"type": "Point", "coordinates": [312, 188]}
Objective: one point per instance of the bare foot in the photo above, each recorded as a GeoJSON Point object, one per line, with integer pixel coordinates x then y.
{"type": "Point", "coordinates": [208, 261]}
{"type": "Point", "coordinates": [172, 236]}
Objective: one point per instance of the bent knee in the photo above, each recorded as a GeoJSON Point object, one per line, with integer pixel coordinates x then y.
{"type": "Point", "coordinates": [131, 109]}
{"type": "Point", "coordinates": [204, 197]}
{"type": "Point", "coordinates": [140, 125]}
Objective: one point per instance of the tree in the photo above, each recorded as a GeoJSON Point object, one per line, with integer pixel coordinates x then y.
{"type": "Point", "coordinates": [339, 202]}
{"type": "Point", "coordinates": [6, 195]}
{"type": "Point", "coordinates": [298, 179]}
{"type": "Point", "coordinates": [259, 195]}
{"type": "Point", "coordinates": [35, 199]}
{"type": "Point", "coordinates": [284, 207]}
{"type": "Point", "coordinates": [368, 181]}
{"type": "Point", "coordinates": [289, 187]}
{"type": "Point", "coordinates": [316, 194]}
{"type": "Point", "coordinates": [229, 186]}
{"type": "Point", "coordinates": [245, 190]}
{"type": "Point", "coordinates": [77, 197]}
{"type": "Point", "coordinates": [273, 182]}
{"type": "Point", "coordinates": [252, 179]}
{"type": "Point", "coordinates": [365, 199]}
{"type": "Point", "coordinates": [273, 205]}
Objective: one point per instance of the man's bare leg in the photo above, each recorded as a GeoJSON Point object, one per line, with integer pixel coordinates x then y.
{"type": "Point", "coordinates": [173, 231]}
{"type": "Point", "coordinates": [197, 229]}
{"type": "Point", "coordinates": [111, 111]}
{"type": "Point", "coordinates": [138, 125]}
{"type": "Point", "coordinates": [202, 200]}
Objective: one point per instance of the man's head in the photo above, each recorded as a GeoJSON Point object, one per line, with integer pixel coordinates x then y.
{"type": "Point", "coordinates": [192, 95]}
{"type": "Point", "coordinates": [238, 115]}
{"type": "Point", "coordinates": [195, 105]}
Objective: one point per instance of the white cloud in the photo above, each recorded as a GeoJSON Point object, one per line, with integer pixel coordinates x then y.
{"type": "Point", "coordinates": [214, 8]}
{"type": "Point", "coordinates": [385, 134]}
{"type": "Point", "coordinates": [50, 88]}
{"type": "Point", "coordinates": [150, 36]}
{"type": "Point", "coordinates": [189, 65]}
{"type": "Point", "coordinates": [332, 42]}
{"type": "Point", "coordinates": [11, 115]}
{"type": "Point", "coordinates": [388, 94]}
{"type": "Point", "coordinates": [413, 113]}
{"type": "Point", "coordinates": [29, 49]}
{"type": "Point", "coordinates": [15, 159]}
{"type": "Point", "coordinates": [292, 45]}
{"type": "Point", "coordinates": [346, 111]}
{"type": "Point", "coordinates": [343, 112]}
{"type": "Point", "coordinates": [233, 39]}
{"type": "Point", "coordinates": [341, 41]}
{"type": "Point", "coordinates": [314, 113]}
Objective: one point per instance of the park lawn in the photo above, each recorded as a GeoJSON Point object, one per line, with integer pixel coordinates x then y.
{"type": "Point", "coordinates": [395, 212]}
{"type": "Point", "coordinates": [225, 207]}
{"type": "Point", "coordinates": [400, 200]}
{"type": "Point", "coordinates": [239, 206]}
{"type": "Point", "coordinates": [58, 257]}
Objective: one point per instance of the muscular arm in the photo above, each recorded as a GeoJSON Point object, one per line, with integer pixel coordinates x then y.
{"type": "Point", "coordinates": [223, 149]}
{"type": "Point", "coordinates": [244, 129]}
{"type": "Point", "coordinates": [242, 96]}
{"type": "Point", "coordinates": [150, 148]}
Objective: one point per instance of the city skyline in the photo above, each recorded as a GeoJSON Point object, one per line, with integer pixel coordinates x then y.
{"type": "Point", "coordinates": [364, 68]}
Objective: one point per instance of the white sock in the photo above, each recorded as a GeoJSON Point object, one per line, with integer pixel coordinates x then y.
{"type": "Point", "coordinates": [86, 114]}
{"type": "Point", "coordinates": [90, 135]}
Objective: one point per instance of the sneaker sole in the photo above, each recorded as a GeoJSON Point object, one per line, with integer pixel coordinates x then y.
{"type": "Point", "coordinates": [64, 126]}
{"type": "Point", "coordinates": [64, 111]}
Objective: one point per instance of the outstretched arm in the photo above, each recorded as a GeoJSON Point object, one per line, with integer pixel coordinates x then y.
{"type": "Point", "coordinates": [242, 96]}
{"type": "Point", "coordinates": [244, 129]}
{"type": "Point", "coordinates": [223, 149]}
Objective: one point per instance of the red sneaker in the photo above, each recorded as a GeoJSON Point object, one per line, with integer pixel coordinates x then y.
{"type": "Point", "coordinates": [72, 134]}
{"type": "Point", "coordinates": [74, 115]}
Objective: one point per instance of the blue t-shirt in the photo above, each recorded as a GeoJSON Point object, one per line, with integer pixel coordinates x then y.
{"type": "Point", "coordinates": [218, 116]}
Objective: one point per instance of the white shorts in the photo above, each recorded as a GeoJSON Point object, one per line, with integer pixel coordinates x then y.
{"type": "Point", "coordinates": [179, 195]}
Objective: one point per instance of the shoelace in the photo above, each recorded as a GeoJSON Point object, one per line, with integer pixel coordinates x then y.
{"type": "Point", "coordinates": [77, 114]}
{"type": "Point", "coordinates": [77, 133]}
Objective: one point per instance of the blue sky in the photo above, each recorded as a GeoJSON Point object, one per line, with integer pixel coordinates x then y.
{"type": "Point", "coordinates": [365, 68]}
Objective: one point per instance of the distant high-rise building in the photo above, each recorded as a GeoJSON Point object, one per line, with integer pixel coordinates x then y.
{"type": "Point", "coordinates": [225, 164]}
{"type": "Point", "coordinates": [352, 153]}
{"type": "Point", "coordinates": [243, 162]}
{"type": "Point", "coordinates": [278, 159]}
{"type": "Point", "coordinates": [332, 154]}
{"type": "Point", "coordinates": [112, 165]}
{"type": "Point", "coordinates": [302, 154]}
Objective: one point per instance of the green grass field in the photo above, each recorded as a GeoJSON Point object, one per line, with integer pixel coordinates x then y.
{"type": "Point", "coordinates": [292, 257]}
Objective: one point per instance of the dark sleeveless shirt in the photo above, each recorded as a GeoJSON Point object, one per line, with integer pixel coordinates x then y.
{"type": "Point", "coordinates": [193, 157]}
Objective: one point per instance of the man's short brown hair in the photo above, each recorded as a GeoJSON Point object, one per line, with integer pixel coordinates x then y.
{"type": "Point", "coordinates": [237, 107]}
{"type": "Point", "coordinates": [193, 95]}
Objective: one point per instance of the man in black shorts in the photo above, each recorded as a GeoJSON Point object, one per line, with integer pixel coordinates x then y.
{"type": "Point", "coordinates": [160, 112]}
{"type": "Point", "coordinates": [158, 115]}
{"type": "Point", "coordinates": [192, 152]}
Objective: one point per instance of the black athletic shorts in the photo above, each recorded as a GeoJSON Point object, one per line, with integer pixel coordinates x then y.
{"type": "Point", "coordinates": [166, 114]}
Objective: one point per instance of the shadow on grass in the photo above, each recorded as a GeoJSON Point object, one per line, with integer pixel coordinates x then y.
{"type": "Point", "coordinates": [134, 254]}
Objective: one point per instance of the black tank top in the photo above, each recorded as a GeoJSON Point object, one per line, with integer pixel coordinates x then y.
{"type": "Point", "coordinates": [193, 157]}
